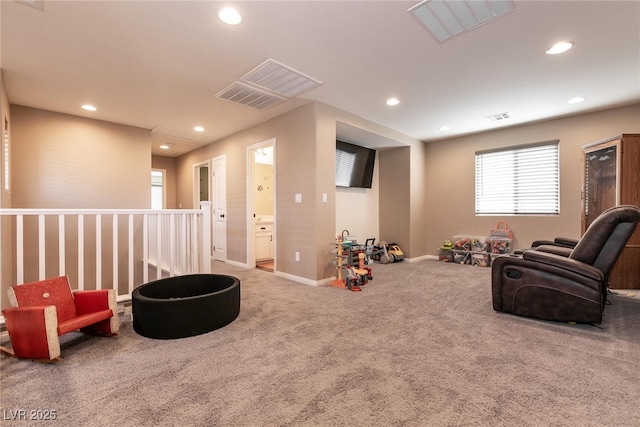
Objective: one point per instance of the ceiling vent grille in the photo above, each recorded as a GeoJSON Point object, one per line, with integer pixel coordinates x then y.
{"type": "Point", "coordinates": [249, 96]}
{"type": "Point", "coordinates": [268, 84]}
{"type": "Point", "coordinates": [498, 117]}
{"type": "Point", "coordinates": [447, 18]}
{"type": "Point", "coordinates": [278, 78]}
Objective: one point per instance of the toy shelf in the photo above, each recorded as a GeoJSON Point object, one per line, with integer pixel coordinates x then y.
{"type": "Point", "coordinates": [474, 250]}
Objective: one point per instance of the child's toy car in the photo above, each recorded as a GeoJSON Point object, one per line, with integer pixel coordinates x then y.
{"type": "Point", "coordinates": [387, 252]}
{"type": "Point", "coordinates": [395, 253]}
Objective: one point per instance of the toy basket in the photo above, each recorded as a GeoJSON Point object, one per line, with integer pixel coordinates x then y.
{"type": "Point", "coordinates": [481, 259]}
{"type": "Point", "coordinates": [501, 231]}
{"type": "Point", "coordinates": [461, 257]}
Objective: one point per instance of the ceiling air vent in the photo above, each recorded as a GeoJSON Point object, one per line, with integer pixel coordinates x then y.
{"type": "Point", "coordinates": [447, 18]}
{"type": "Point", "coordinates": [268, 84]}
{"type": "Point", "coordinates": [498, 117]}
{"type": "Point", "coordinates": [278, 78]}
{"type": "Point", "coordinates": [249, 96]}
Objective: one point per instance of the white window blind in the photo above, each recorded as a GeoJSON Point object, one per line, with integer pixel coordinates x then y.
{"type": "Point", "coordinates": [522, 180]}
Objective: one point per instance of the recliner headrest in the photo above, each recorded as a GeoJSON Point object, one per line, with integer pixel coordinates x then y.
{"type": "Point", "coordinates": [605, 238]}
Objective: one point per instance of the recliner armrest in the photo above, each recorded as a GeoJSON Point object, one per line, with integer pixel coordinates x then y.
{"type": "Point", "coordinates": [564, 263]}
{"type": "Point", "coordinates": [553, 249]}
{"type": "Point", "coordinates": [565, 241]}
{"type": "Point", "coordinates": [537, 243]}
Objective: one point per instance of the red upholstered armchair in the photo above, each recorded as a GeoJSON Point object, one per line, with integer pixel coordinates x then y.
{"type": "Point", "coordinates": [43, 311]}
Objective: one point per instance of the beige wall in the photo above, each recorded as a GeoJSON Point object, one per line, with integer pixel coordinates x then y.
{"type": "Point", "coordinates": [395, 197]}
{"type": "Point", "coordinates": [168, 164]}
{"type": "Point", "coordinates": [305, 164]}
{"type": "Point", "coordinates": [426, 191]}
{"type": "Point", "coordinates": [295, 163]}
{"type": "Point", "coordinates": [358, 209]}
{"type": "Point", "coordinates": [420, 189]}
{"type": "Point", "coordinates": [63, 161]}
{"type": "Point", "coordinates": [450, 176]}
{"type": "Point", "coordinates": [393, 165]}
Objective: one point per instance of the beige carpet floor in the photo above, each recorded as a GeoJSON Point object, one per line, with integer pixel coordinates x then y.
{"type": "Point", "coordinates": [419, 346]}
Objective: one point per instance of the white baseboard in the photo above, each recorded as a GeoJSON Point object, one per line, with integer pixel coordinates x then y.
{"type": "Point", "coordinates": [237, 264]}
{"type": "Point", "coordinates": [422, 258]}
{"type": "Point", "coordinates": [299, 279]}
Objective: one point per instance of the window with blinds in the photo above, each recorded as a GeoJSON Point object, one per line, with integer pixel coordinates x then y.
{"type": "Point", "coordinates": [520, 180]}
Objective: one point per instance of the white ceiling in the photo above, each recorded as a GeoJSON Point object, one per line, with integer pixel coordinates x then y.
{"type": "Point", "coordinates": [159, 65]}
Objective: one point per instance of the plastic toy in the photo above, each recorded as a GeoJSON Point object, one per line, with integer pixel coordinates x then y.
{"type": "Point", "coordinates": [463, 245]}
{"type": "Point", "coordinates": [354, 275]}
{"type": "Point", "coordinates": [339, 281]}
{"type": "Point", "coordinates": [361, 272]}
{"type": "Point", "coordinates": [446, 251]}
{"type": "Point", "coordinates": [368, 250]}
{"type": "Point", "coordinates": [387, 252]}
{"type": "Point", "coordinates": [447, 245]}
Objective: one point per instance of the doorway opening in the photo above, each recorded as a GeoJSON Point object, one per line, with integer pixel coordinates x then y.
{"type": "Point", "coordinates": [200, 183]}
{"type": "Point", "coordinates": [261, 206]}
{"type": "Point", "coordinates": [158, 198]}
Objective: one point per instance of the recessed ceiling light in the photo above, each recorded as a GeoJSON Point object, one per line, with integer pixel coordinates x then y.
{"type": "Point", "coordinates": [559, 48]}
{"type": "Point", "coordinates": [445, 128]}
{"type": "Point", "coordinates": [166, 146]}
{"type": "Point", "coordinates": [576, 100]}
{"type": "Point", "coordinates": [230, 16]}
{"type": "Point", "coordinates": [89, 107]}
{"type": "Point", "coordinates": [198, 129]}
{"type": "Point", "coordinates": [393, 101]}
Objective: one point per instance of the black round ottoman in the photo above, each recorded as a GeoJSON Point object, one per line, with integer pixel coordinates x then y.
{"type": "Point", "coordinates": [184, 306]}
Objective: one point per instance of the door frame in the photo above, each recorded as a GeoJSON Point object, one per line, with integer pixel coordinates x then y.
{"type": "Point", "coordinates": [251, 228]}
{"type": "Point", "coordinates": [215, 202]}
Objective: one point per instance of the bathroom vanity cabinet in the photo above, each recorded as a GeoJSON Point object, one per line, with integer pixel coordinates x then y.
{"type": "Point", "coordinates": [264, 241]}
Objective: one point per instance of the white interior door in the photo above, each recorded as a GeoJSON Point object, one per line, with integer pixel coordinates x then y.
{"type": "Point", "coordinates": [219, 173]}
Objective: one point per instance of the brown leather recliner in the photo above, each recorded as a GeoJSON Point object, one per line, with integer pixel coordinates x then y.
{"type": "Point", "coordinates": [563, 284]}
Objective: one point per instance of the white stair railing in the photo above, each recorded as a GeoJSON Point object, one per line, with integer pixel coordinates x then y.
{"type": "Point", "coordinates": [106, 248]}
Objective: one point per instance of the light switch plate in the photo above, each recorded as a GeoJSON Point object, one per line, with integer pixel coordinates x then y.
{"type": "Point", "coordinates": [298, 197]}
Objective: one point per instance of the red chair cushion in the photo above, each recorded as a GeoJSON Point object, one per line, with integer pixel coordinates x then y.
{"type": "Point", "coordinates": [54, 291]}
{"type": "Point", "coordinates": [83, 321]}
